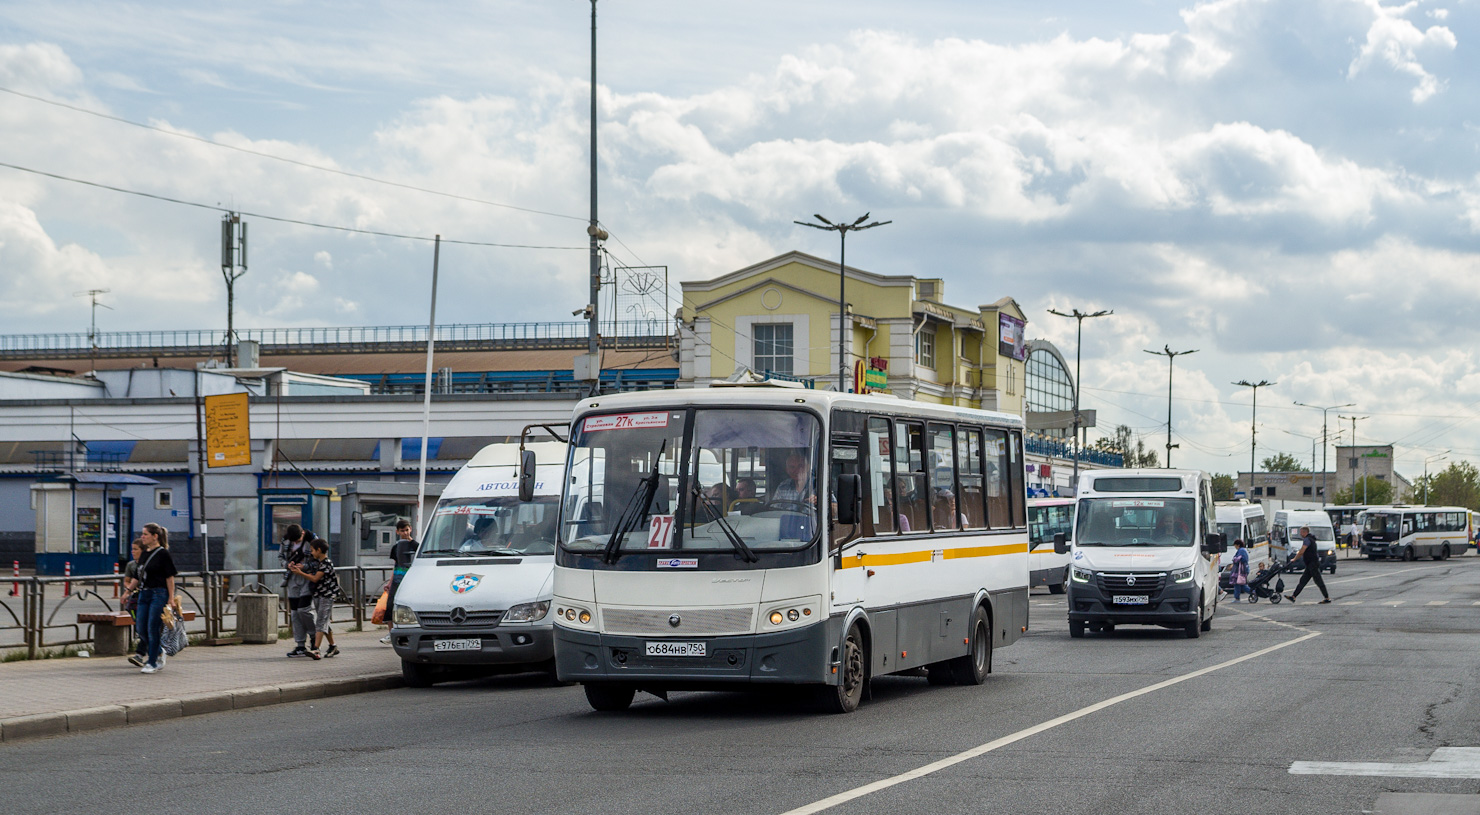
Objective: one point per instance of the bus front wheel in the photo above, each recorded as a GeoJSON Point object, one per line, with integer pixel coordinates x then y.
{"type": "Point", "coordinates": [609, 697]}
{"type": "Point", "coordinates": [845, 696]}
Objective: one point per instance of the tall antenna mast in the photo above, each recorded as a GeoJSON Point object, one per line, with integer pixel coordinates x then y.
{"type": "Point", "coordinates": [92, 332]}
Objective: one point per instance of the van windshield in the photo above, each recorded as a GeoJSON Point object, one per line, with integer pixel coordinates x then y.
{"type": "Point", "coordinates": [492, 526]}
{"type": "Point", "coordinates": [1231, 532]}
{"type": "Point", "coordinates": [1136, 522]}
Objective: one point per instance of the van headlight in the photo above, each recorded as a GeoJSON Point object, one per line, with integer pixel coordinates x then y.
{"type": "Point", "coordinates": [1182, 575]}
{"type": "Point", "coordinates": [1079, 575]}
{"type": "Point", "coordinates": [404, 616]}
{"type": "Point", "coordinates": [527, 612]}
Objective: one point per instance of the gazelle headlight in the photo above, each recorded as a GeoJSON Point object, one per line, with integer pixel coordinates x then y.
{"type": "Point", "coordinates": [1079, 575]}
{"type": "Point", "coordinates": [1182, 575]}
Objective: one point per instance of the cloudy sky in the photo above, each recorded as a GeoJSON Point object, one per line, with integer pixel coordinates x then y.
{"type": "Point", "coordinates": [1292, 187]}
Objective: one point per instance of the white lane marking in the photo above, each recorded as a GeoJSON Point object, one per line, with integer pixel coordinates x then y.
{"type": "Point", "coordinates": [1445, 762]}
{"type": "Point", "coordinates": [1438, 602]}
{"type": "Point", "coordinates": [966, 755]}
{"type": "Point", "coordinates": [1359, 602]}
{"type": "Point", "coordinates": [1392, 602]}
{"type": "Point", "coordinates": [1375, 576]}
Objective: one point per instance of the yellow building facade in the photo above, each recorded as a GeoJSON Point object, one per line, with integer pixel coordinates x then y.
{"type": "Point", "coordinates": [780, 318]}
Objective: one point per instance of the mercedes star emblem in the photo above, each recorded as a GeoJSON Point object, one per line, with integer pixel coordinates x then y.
{"type": "Point", "coordinates": [673, 620]}
{"type": "Point", "coordinates": [458, 616]}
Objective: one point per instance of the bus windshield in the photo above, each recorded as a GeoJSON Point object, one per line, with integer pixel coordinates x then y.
{"type": "Point", "coordinates": [1136, 522]}
{"type": "Point", "coordinates": [751, 482]}
{"type": "Point", "coordinates": [1231, 532]}
{"type": "Point", "coordinates": [1381, 524]}
{"type": "Point", "coordinates": [492, 526]}
{"type": "Point", "coordinates": [1046, 521]}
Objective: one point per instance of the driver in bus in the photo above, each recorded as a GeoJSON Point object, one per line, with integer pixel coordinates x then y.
{"type": "Point", "coordinates": [1172, 525]}
{"type": "Point", "coordinates": [798, 486]}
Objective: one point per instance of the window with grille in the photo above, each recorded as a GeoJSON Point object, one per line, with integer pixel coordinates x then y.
{"type": "Point", "coordinates": [773, 348]}
{"type": "Point", "coordinates": [925, 348]}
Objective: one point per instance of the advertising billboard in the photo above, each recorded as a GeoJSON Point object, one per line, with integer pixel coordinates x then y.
{"type": "Point", "coordinates": [1010, 342]}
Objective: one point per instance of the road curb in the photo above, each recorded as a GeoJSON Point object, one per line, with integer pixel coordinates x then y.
{"type": "Point", "coordinates": [42, 725]}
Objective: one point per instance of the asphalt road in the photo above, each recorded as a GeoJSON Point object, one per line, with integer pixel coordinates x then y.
{"type": "Point", "coordinates": [1212, 725]}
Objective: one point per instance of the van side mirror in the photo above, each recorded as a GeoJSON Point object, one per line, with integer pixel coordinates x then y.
{"type": "Point", "coordinates": [1215, 543]}
{"type": "Point", "coordinates": [526, 475]}
{"type": "Point", "coordinates": [850, 498]}
{"type": "Point", "coordinates": [1060, 543]}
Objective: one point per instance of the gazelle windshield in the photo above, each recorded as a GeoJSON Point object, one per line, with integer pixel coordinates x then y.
{"type": "Point", "coordinates": [1136, 522]}
{"type": "Point", "coordinates": [748, 480]}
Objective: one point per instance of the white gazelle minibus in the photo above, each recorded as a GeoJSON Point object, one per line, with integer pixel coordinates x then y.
{"type": "Point", "coordinates": [779, 535]}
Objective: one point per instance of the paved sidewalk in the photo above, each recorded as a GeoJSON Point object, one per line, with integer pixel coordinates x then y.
{"type": "Point", "coordinates": [108, 691]}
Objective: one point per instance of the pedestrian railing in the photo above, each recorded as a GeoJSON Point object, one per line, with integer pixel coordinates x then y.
{"type": "Point", "coordinates": [40, 613]}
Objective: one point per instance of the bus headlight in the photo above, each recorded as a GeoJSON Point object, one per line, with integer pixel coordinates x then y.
{"type": "Point", "coordinates": [1079, 575]}
{"type": "Point", "coordinates": [790, 613]}
{"type": "Point", "coordinates": [570, 615]}
{"type": "Point", "coordinates": [1182, 575]}
{"type": "Point", "coordinates": [527, 612]}
{"type": "Point", "coordinates": [403, 615]}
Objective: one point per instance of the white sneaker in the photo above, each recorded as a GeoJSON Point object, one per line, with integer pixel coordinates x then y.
{"type": "Point", "coordinates": [386, 640]}
{"type": "Point", "coordinates": [148, 669]}
{"type": "Point", "coordinates": [162, 657]}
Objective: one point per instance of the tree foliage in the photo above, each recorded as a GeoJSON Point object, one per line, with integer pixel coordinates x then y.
{"type": "Point", "coordinates": [1378, 491]}
{"type": "Point", "coordinates": [1284, 463]}
{"type": "Point", "coordinates": [1127, 443]}
{"type": "Point", "coordinates": [1222, 487]}
{"type": "Point", "coordinates": [1458, 485]}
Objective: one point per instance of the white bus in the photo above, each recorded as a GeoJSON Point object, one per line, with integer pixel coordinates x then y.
{"type": "Point", "coordinates": [1410, 533]}
{"type": "Point", "coordinates": [1244, 521]}
{"type": "Point", "coordinates": [1048, 517]}
{"type": "Point", "coordinates": [771, 535]}
{"type": "Point", "coordinates": [1346, 518]}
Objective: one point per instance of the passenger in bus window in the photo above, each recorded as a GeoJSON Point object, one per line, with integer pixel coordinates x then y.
{"type": "Point", "coordinates": [745, 501]}
{"type": "Point", "coordinates": [943, 510]}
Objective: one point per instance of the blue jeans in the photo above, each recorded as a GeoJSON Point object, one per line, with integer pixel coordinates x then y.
{"type": "Point", "coordinates": [148, 622]}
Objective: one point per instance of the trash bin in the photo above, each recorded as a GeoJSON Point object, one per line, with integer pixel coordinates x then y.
{"type": "Point", "coordinates": [257, 617]}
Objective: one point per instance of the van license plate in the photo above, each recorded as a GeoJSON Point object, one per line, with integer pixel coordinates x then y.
{"type": "Point", "coordinates": [457, 645]}
{"type": "Point", "coordinates": [677, 649]}
{"type": "Point", "coordinates": [1130, 600]}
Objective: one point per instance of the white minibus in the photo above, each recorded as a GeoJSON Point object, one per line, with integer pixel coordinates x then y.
{"type": "Point", "coordinates": [1048, 517]}
{"type": "Point", "coordinates": [1410, 533]}
{"type": "Point", "coordinates": [1284, 537]}
{"type": "Point", "coordinates": [770, 535]}
{"type": "Point", "coordinates": [476, 600]}
{"type": "Point", "coordinates": [1244, 521]}
{"type": "Point", "coordinates": [1145, 551]}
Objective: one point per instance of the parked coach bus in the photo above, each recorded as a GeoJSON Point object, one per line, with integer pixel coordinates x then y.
{"type": "Point", "coordinates": [1410, 533]}
{"type": "Point", "coordinates": [771, 535]}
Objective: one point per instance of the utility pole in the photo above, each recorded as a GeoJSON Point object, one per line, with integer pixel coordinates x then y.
{"type": "Point", "coordinates": [1172, 358]}
{"type": "Point", "coordinates": [1253, 423]}
{"type": "Point", "coordinates": [1324, 439]}
{"type": "Point", "coordinates": [597, 235]}
{"type": "Point", "coordinates": [426, 399]}
{"type": "Point", "coordinates": [1079, 318]}
{"type": "Point", "coordinates": [92, 333]}
{"type": "Point", "coordinates": [843, 229]}
{"type": "Point", "coordinates": [1354, 420]}
{"type": "Point", "coordinates": [233, 266]}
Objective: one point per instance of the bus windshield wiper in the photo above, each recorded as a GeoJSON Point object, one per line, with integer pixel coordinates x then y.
{"type": "Point", "coordinates": [637, 507]}
{"type": "Point", "coordinates": [745, 552]}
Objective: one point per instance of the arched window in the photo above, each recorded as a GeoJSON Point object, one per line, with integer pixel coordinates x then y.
{"type": "Point", "coordinates": [1048, 387]}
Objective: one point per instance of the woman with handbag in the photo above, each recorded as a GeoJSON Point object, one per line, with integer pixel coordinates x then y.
{"type": "Point", "coordinates": [1238, 570]}
{"type": "Point", "coordinates": [156, 586]}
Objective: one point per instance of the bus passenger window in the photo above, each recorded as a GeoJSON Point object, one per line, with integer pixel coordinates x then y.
{"type": "Point", "coordinates": [1015, 469]}
{"type": "Point", "coordinates": [943, 512]}
{"type": "Point", "coordinates": [909, 480]}
{"type": "Point", "coordinates": [999, 485]}
{"type": "Point", "coordinates": [969, 464]}
{"type": "Point", "coordinates": [879, 515]}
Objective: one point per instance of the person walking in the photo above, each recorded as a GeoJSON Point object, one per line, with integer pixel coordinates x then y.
{"type": "Point", "coordinates": [156, 586]}
{"type": "Point", "coordinates": [130, 602]}
{"type": "Point", "coordinates": [292, 555]}
{"type": "Point", "coordinates": [319, 571]}
{"type": "Point", "coordinates": [1310, 555]}
{"type": "Point", "coordinates": [403, 552]}
{"type": "Point", "coordinates": [1238, 570]}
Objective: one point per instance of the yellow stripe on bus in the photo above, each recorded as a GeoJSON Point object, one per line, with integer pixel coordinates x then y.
{"type": "Point", "coordinates": [901, 558]}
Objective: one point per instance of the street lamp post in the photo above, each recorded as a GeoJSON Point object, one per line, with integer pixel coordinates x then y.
{"type": "Point", "coordinates": [1434, 457]}
{"type": "Point", "coordinates": [1079, 318]}
{"type": "Point", "coordinates": [1354, 420]}
{"type": "Point", "coordinates": [843, 229]}
{"type": "Point", "coordinates": [1253, 426]}
{"type": "Point", "coordinates": [1171, 358]}
{"type": "Point", "coordinates": [1324, 411]}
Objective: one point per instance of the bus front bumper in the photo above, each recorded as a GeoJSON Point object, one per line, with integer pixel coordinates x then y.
{"type": "Point", "coordinates": [507, 645]}
{"type": "Point", "coordinates": [796, 656]}
{"type": "Point", "coordinates": [1172, 605]}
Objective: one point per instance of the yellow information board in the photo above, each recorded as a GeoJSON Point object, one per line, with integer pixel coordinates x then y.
{"type": "Point", "coordinates": [228, 431]}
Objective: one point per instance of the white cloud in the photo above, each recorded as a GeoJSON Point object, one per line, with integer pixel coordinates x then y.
{"type": "Point", "coordinates": [1396, 42]}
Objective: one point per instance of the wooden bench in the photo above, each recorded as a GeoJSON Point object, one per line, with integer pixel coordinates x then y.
{"type": "Point", "coordinates": [111, 630]}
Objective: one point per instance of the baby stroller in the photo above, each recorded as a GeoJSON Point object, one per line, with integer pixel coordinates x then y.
{"type": "Point", "coordinates": [1258, 585]}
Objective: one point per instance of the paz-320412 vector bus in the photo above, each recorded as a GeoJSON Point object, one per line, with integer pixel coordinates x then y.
{"type": "Point", "coordinates": [732, 536]}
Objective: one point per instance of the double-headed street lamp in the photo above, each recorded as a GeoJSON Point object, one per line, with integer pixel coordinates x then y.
{"type": "Point", "coordinates": [1253, 426]}
{"type": "Point", "coordinates": [1171, 358]}
{"type": "Point", "coordinates": [1324, 411]}
{"type": "Point", "coordinates": [842, 229]}
{"type": "Point", "coordinates": [1079, 318]}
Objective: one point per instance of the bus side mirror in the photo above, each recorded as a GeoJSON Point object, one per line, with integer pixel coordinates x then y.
{"type": "Point", "coordinates": [526, 475]}
{"type": "Point", "coordinates": [1060, 543]}
{"type": "Point", "coordinates": [850, 498]}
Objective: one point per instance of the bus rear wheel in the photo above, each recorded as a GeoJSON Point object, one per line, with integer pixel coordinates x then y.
{"type": "Point", "coordinates": [845, 696]}
{"type": "Point", "coordinates": [1058, 588]}
{"type": "Point", "coordinates": [609, 697]}
{"type": "Point", "coordinates": [973, 668]}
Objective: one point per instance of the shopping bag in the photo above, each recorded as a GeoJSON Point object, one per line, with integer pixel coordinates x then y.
{"type": "Point", "coordinates": [378, 618]}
